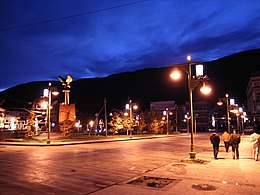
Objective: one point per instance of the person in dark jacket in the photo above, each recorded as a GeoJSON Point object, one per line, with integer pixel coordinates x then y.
{"type": "Point", "coordinates": [235, 141]}
{"type": "Point", "coordinates": [214, 139]}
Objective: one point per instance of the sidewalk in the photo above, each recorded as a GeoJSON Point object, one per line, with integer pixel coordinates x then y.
{"type": "Point", "coordinates": [222, 176]}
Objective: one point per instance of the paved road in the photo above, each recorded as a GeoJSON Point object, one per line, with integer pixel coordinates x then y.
{"type": "Point", "coordinates": [106, 168]}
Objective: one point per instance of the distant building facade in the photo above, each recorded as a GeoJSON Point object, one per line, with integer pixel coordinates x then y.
{"type": "Point", "coordinates": [253, 99]}
{"type": "Point", "coordinates": [162, 105]}
{"type": "Point", "coordinates": [12, 120]}
{"type": "Point", "coordinates": [202, 112]}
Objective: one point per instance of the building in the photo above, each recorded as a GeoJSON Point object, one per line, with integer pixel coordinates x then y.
{"type": "Point", "coordinates": [12, 120]}
{"type": "Point", "coordinates": [168, 111]}
{"type": "Point", "coordinates": [253, 99]}
{"type": "Point", "coordinates": [202, 115]}
{"type": "Point", "coordinates": [162, 105]}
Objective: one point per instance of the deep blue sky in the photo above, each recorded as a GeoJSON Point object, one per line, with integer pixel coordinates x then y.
{"type": "Point", "coordinates": [40, 40]}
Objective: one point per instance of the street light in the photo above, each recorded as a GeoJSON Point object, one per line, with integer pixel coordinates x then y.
{"type": "Point", "coordinates": [51, 91]}
{"type": "Point", "coordinates": [230, 102]}
{"type": "Point", "coordinates": [166, 113]}
{"type": "Point", "coordinates": [192, 84]}
{"type": "Point", "coordinates": [176, 117]}
{"type": "Point", "coordinates": [130, 106]}
{"type": "Point", "coordinates": [239, 112]}
{"type": "Point", "coordinates": [195, 122]}
{"type": "Point", "coordinates": [243, 120]}
{"type": "Point", "coordinates": [220, 102]}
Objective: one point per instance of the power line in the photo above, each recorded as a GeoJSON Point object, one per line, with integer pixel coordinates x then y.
{"type": "Point", "coordinates": [71, 16]}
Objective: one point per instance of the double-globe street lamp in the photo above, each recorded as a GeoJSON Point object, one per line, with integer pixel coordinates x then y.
{"type": "Point", "coordinates": [48, 93]}
{"type": "Point", "coordinates": [192, 84]}
{"type": "Point", "coordinates": [240, 115]}
{"type": "Point", "coordinates": [231, 107]}
{"type": "Point", "coordinates": [131, 106]}
{"type": "Point", "coordinates": [166, 113]}
{"type": "Point", "coordinates": [226, 100]}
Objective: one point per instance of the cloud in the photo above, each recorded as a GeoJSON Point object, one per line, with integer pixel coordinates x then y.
{"type": "Point", "coordinates": [148, 34]}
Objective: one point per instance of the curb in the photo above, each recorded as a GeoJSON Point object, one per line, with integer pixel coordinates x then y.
{"type": "Point", "coordinates": [80, 142]}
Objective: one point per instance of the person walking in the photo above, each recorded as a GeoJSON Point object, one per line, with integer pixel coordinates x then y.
{"type": "Point", "coordinates": [255, 139]}
{"type": "Point", "coordinates": [214, 139]}
{"type": "Point", "coordinates": [226, 140]}
{"type": "Point", "coordinates": [235, 141]}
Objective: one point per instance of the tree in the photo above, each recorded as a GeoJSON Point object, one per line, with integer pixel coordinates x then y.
{"type": "Point", "coordinates": [116, 123]}
{"type": "Point", "coordinates": [151, 122]}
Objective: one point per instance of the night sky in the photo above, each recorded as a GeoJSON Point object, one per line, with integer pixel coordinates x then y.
{"type": "Point", "coordinates": [41, 40]}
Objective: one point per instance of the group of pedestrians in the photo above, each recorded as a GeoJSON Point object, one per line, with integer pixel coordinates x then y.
{"type": "Point", "coordinates": [233, 140]}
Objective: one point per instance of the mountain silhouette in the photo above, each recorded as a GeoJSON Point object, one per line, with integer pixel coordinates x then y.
{"type": "Point", "coordinates": [229, 74]}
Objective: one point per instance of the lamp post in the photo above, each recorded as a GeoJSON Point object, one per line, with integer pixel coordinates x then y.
{"type": "Point", "coordinates": [105, 110]}
{"type": "Point", "coordinates": [226, 100]}
{"type": "Point", "coordinates": [243, 120]}
{"type": "Point", "coordinates": [239, 112]}
{"type": "Point", "coordinates": [91, 124]}
{"type": "Point", "coordinates": [130, 106]}
{"type": "Point", "coordinates": [228, 122]}
{"type": "Point", "coordinates": [195, 122]}
{"type": "Point", "coordinates": [166, 113]}
{"type": "Point", "coordinates": [192, 151]}
{"type": "Point", "coordinates": [192, 84]}
{"type": "Point", "coordinates": [187, 119]}
{"type": "Point", "coordinates": [176, 117]}
{"type": "Point", "coordinates": [51, 91]}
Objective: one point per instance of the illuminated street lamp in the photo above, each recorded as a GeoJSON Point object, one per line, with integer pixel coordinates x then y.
{"type": "Point", "coordinates": [167, 113]}
{"type": "Point", "coordinates": [90, 124]}
{"type": "Point", "coordinates": [130, 106]}
{"type": "Point", "coordinates": [226, 100]}
{"type": "Point", "coordinates": [192, 84]}
{"type": "Point", "coordinates": [51, 91]}
{"type": "Point", "coordinates": [187, 119]}
{"type": "Point", "coordinates": [243, 120]}
{"type": "Point", "coordinates": [239, 112]}
{"type": "Point", "coordinates": [176, 117]}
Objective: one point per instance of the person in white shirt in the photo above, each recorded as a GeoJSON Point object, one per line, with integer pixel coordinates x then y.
{"type": "Point", "coordinates": [255, 139]}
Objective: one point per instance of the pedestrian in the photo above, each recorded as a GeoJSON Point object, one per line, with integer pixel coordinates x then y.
{"type": "Point", "coordinates": [226, 140]}
{"type": "Point", "coordinates": [255, 139]}
{"type": "Point", "coordinates": [235, 141]}
{"type": "Point", "coordinates": [214, 139]}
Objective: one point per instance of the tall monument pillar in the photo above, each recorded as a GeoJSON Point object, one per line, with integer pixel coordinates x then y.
{"type": "Point", "coordinates": [67, 111]}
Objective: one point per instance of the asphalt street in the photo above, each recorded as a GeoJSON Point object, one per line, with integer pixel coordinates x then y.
{"type": "Point", "coordinates": [110, 167]}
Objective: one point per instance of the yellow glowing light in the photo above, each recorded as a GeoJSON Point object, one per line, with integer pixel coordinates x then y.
{"type": "Point", "coordinates": [220, 103]}
{"type": "Point", "coordinates": [135, 107]}
{"type": "Point", "coordinates": [176, 74]}
{"type": "Point", "coordinates": [235, 111]}
{"type": "Point", "coordinates": [55, 93]}
{"type": "Point", "coordinates": [91, 123]}
{"type": "Point", "coordinates": [44, 104]}
{"type": "Point", "coordinates": [205, 89]}
{"type": "Point", "coordinates": [77, 124]}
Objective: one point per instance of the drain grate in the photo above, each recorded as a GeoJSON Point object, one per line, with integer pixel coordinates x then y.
{"type": "Point", "coordinates": [154, 182]}
{"type": "Point", "coordinates": [204, 187]}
